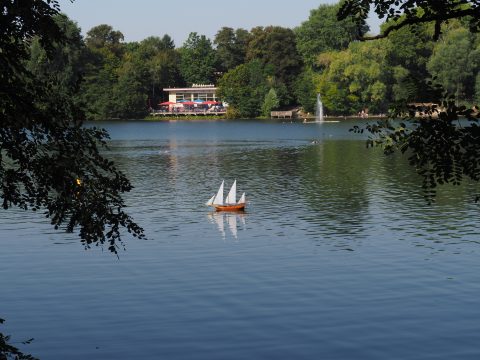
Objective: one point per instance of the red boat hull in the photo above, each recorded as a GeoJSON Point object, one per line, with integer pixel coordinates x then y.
{"type": "Point", "coordinates": [236, 207]}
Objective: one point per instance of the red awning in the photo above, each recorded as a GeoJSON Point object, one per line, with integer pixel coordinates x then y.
{"type": "Point", "coordinates": [166, 103]}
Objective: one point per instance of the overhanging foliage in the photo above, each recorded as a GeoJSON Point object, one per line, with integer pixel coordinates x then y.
{"type": "Point", "coordinates": [401, 13]}
{"type": "Point", "coordinates": [48, 160]}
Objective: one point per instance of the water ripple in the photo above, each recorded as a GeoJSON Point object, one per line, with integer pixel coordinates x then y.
{"type": "Point", "coordinates": [337, 256]}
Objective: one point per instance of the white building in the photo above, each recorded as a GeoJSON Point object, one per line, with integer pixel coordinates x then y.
{"type": "Point", "coordinates": [196, 92]}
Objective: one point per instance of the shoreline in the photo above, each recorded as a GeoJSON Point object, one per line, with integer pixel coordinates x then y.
{"type": "Point", "coordinates": [308, 119]}
{"type": "Point", "coordinates": [223, 118]}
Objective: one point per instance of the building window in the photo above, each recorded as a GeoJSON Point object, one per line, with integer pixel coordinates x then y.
{"type": "Point", "coordinates": [182, 96]}
{"type": "Point", "coordinates": [199, 96]}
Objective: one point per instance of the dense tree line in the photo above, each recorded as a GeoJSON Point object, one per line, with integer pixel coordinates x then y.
{"type": "Point", "coordinates": [269, 67]}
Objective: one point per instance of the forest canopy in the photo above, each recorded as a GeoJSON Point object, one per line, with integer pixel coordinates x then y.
{"type": "Point", "coordinates": [115, 79]}
{"type": "Point", "coordinates": [118, 79]}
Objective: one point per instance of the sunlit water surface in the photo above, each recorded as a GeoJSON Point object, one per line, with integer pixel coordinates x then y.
{"type": "Point", "coordinates": [337, 257]}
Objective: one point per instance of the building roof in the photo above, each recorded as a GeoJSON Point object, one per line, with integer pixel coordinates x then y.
{"type": "Point", "coordinates": [196, 89]}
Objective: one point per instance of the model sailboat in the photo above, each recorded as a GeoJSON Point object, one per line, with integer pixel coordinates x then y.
{"type": "Point", "coordinates": [230, 203]}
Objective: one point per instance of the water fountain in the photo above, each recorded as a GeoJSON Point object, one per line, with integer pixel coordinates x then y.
{"type": "Point", "coordinates": [319, 110]}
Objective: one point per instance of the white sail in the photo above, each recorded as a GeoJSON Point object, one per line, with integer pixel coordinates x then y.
{"type": "Point", "coordinates": [219, 197]}
{"type": "Point", "coordinates": [242, 199]}
{"type": "Point", "coordinates": [232, 194]}
{"type": "Point", "coordinates": [210, 202]}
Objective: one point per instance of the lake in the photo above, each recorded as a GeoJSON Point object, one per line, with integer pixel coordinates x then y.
{"type": "Point", "coordinates": [337, 256]}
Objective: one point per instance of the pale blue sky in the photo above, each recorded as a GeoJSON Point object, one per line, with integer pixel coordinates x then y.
{"type": "Point", "coordinates": [142, 18]}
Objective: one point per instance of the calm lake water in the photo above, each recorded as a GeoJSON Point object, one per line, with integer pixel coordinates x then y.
{"type": "Point", "coordinates": [337, 257]}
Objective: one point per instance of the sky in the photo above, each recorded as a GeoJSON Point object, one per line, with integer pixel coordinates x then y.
{"type": "Point", "coordinates": [140, 19]}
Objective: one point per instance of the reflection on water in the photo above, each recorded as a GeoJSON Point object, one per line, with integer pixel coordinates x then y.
{"type": "Point", "coordinates": [337, 257]}
{"type": "Point", "coordinates": [335, 193]}
{"type": "Point", "coordinates": [232, 220]}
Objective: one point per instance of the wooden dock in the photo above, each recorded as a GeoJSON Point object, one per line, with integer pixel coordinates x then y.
{"type": "Point", "coordinates": [282, 114]}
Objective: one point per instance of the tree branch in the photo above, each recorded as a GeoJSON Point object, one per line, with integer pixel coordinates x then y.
{"type": "Point", "coordinates": [436, 17]}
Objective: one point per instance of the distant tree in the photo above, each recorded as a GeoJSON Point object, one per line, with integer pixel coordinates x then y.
{"type": "Point", "coordinates": [322, 32]}
{"type": "Point", "coordinates": [164, 72]}
{"type": "Point", "coordinates": [167, 43]}
{"type": "Point", "coordinates": [270, 102]}
{"type": "Point", "coordinates": [231, 47]}
{"type": "Point", "coordinates": [355, 79]}
{"type": "Point", "coordinates": [130, 92]}
{"type": "Point", "coordinates": [102, 36]}
{"type": "Point", "coordinates": [125, 80]}
{"type": "Point", "coordinates": [276, 48]}
{"type": "Point", "coordinates": [64, 68]}
{"type": "Point", "coordinates": [100, 78]}
{"type": "Point", "coordinates": [305, 91]}
{"type": "Point", "coordinates": [104, 56]}
{"type": "Point", "coordinates": [197, 64]}
{"type": "Point", "coordinates": [455, 61]}
{"type": "Point", "coordinates": [408, 51]}
{"type": "Point", "coordinates": [244, 89]}
{"type": "Point", "coordinates": [144, 71]}
{"type": "Point", "coordinates": [153, 45]}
